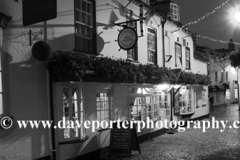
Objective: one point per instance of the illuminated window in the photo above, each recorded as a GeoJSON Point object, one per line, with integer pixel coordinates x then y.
{"type": "Point", "coordinates": [72, 111]}
{"type": "Point", "coordinates": [150, 103]}
{"type": "Point", "coordinates": [85, 25]}
{"type": "Point", "coordinates": [104, 106]}
{"type": "Point", "coordinates": [152, 46]}
{"type": "Point", "coordinates": [185, 100]}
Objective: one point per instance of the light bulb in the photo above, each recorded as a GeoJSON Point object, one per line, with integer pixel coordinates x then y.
{"type": "Point", "coordinates": [237, 16]}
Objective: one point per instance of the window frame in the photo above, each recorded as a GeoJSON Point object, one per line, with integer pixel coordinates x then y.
{"type": "Point", "coordinates": [187, 51]}
{"type": "Point", "coordinates": [150, 31]}
{"type": "Point", "coordinates": [180, 57]}
{"type": "Point", "coordinates": [150, 104]}
{"type": "Point", "coordinates": [216, 76]}
{"type": "Point", "coordinates": [134, 51]}
{"type": "Point", "coordinates": [226, 76]}
{"type": "Point", "coordinates": [110, 105]}
{"type": "Point", "coordinates": [1, 82]}
{"type": "Point", "coordinates": [91, 49]}
{"type": "Point", "coordinates": [175, 11]}
{"type": "Point", "coordinates": [81, 112]}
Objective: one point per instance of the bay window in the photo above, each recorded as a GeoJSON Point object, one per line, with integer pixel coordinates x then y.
{"type": "Point", "coordinates": [150, 103]}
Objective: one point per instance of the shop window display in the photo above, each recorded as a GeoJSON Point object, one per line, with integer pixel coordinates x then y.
{"type": "Point", "coordinates": [153, 104]}
{"type": "Point", "coordinates": [185, 100]}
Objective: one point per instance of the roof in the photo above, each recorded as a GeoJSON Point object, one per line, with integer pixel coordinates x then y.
{"type": "Point", "coordinates": [201, 56]}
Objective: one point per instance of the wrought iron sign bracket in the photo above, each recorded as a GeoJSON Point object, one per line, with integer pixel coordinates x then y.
{"type": "Point", "coordinates": [35, 35]}
{"type": "Point", "coordinates": [121, 23]}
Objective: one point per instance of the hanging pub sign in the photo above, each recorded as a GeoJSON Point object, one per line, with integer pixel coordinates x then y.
{"type": "Point", "coordinates": [35, 11]}
{"type": "Point", "coordinates": [127, 38]}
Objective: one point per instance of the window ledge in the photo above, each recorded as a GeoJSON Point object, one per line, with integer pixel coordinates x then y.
{"type": "Point", "coordinates": [75, 141]}
{"type": "Point", "coordinates": [103, 129]}
{"type": "Point", "coordinates": [85, 52]}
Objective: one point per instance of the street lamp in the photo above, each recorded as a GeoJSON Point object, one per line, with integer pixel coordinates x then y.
{"type": "Point", "coordinates": [237, 16]}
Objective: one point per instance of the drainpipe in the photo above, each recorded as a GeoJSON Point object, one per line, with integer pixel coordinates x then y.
{"type": "Point", "coordinates": [50, 100]}
{"type": "Point", "coordinates": [163, 21]}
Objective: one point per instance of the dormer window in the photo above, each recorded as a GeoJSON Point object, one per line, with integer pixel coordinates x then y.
{"type": "Point", "coordinates": [146, 1]}
{"type": "Point", "coordinates": [175, 11]}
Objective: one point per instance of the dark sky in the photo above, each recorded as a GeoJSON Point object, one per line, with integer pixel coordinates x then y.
{"type": "Point", "coordinates": [220, 25]}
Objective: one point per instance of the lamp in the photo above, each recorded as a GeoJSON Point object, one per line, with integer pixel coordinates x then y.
{"type": "Point", "coordinates": [237, 16]}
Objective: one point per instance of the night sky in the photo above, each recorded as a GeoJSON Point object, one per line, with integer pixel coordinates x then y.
{"type": "Point", "coordinates": [220, 25]}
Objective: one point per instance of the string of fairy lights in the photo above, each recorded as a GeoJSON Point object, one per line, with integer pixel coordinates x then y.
{"type": "Point", "coordinates": [205, 16]}
{"type": "Point", "coordinates": [202, 18]}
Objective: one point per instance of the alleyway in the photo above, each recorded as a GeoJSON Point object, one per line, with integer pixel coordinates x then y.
{"type": "Point", "coordinates": [193, 144]}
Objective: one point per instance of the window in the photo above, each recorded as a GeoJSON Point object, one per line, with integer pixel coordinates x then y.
{"type": "Point", "coordinates": [218, 96]}
{"type": "Point", "coordinates": [221, 76]}
{"type": "Point", "coordinates": [152, 46]}
{"type": "Point", "coordinates": [185, 99]}
{"type": "Point", "coordinates": [236, 93]}
{"type": "Point", "coordinates": [104, 106]}
{"type": "Point", "coordinates": [226, 76]}
{"type": "Point", "coordinates": [150, 103]}
{"type": "Point", "coordinates": [73, 110]}
{"type": "Point", "coordinates": [85, 26]}
{"type": "Point", "coordinates": [133, 53]}
{"type": "Point", "coordinates": [1, 92]}
{"type": "Point", "coordinates": [187, 58]}
{"type": "Point", "coordinates": [146, 1]}
{"type": "Point", "coordinates": [175, 10]}
{"type": "Point", "coordinates": [216, 76]}
{"type": "Point", "coordinates": [178, 55]}
{"type": "Point", "coordinates": [164, 106]}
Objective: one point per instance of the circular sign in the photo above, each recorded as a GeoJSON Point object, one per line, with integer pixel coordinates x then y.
{"type": "Point", "coordinates": [127, 38]}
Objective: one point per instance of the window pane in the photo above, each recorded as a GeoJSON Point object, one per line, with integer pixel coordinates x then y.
{"type": "Point", "coordinates": [1, 104]}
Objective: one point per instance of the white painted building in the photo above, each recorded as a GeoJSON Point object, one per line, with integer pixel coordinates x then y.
{"type": "Point", "coordinates": [85, 27]}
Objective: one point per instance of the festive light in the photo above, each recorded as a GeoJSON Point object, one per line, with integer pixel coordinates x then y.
{"type": "Point", "coordinates": [203, 17]}
{"type": "Point", "coordinates": [216, 40]}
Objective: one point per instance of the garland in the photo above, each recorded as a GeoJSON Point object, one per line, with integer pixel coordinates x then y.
{"type": "Point", "coordinates": [68, 66]}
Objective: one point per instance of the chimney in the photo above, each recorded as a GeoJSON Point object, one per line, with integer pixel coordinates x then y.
{"type": "Point", "coordinates": [231, 46]}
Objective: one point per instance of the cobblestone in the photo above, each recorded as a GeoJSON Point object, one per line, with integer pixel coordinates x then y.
{"type": "Point", "coordinates": [193, 144]}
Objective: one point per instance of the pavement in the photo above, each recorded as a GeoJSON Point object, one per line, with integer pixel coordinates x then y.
{"type": "Point", "coordinates": [193, 144]}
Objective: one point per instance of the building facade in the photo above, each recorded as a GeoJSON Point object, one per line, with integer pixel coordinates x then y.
{"type": "Point", "coordinates": [90, 28]}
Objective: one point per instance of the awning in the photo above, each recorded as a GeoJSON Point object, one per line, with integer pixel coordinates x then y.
{"type": "Point", "coordinates": [220, 88]}
{"type": "Point", "coordinates": [212, 88]}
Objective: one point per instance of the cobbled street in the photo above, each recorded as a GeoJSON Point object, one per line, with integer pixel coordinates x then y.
{"type": "Point", "coordinates": [193, 144]}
